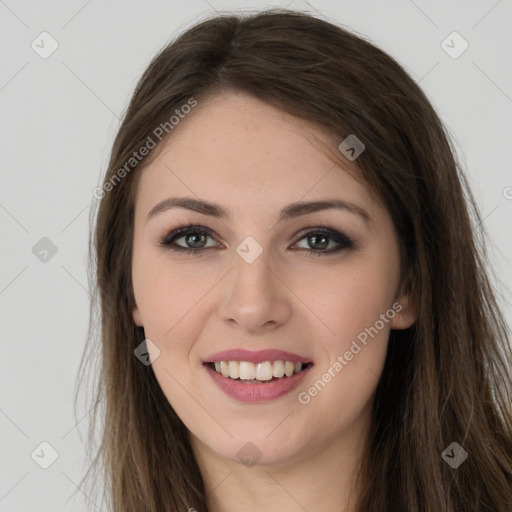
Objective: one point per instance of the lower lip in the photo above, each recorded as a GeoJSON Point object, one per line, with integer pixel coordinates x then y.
{"type": "Point", "coordinates": [263, 392]}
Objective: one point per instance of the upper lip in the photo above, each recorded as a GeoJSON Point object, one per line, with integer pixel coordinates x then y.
{"type": "Point", "coordinates": [260, 356]}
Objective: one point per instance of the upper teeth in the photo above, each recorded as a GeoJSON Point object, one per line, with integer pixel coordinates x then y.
{"type": "Point", "coordinates": [260, 371]}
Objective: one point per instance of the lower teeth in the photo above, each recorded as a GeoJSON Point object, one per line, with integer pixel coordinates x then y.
{"type": "Point", "coordinates": [256, 381]}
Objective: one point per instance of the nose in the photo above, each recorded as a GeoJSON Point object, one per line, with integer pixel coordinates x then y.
{"type": "Point", "coordinates": [255, 297]}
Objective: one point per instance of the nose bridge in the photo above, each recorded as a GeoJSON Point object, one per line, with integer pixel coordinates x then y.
{"type": "Point", "coordinates": [252, 277]}
{"type": "Point", "coordinates": [255, 296]}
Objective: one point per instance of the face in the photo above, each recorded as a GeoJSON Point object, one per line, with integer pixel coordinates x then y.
{"type": "Point", "coordinates": [274, 284]}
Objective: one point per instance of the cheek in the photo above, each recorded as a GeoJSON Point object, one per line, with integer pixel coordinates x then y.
{"type": "Point", "coordinates": [354, 352]}
{"type": "Point", "coordinates": [168, 297]}
{"type": "Point", "coordinates": [174, 303]}
{"type": "Point", "coordinates": [165, 291]}
{"type": "Point", "coordinates": [349, 299]}
{"type": "Point", "coordinates": [355, 308]}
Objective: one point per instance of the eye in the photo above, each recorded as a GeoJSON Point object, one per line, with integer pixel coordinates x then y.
{"type": "Point", "coordinates": [195, 239]}
{"type": "Point", "coordinates": [194, 234]}
{"type": "Point", "coordinates": [319, 239]}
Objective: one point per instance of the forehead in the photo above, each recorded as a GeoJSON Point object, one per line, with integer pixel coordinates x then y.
{"type": "Point", "coordinates": [239, 151]}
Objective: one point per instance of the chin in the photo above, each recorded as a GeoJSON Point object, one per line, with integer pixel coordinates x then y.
{"type": "Point", "coordinates": [257, 448]}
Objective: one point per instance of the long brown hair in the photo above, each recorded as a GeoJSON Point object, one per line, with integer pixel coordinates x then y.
{"type": "Point", "coordinates": [446, 379]}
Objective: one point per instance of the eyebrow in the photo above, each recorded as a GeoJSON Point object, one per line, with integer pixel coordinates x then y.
{"type": "Point", "coordinates": [288, 212]}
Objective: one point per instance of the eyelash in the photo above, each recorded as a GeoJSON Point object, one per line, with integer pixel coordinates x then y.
{"type": "Point", "coordinates": [167, 240]}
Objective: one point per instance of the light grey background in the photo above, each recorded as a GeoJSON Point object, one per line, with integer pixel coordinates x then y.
{"type": "Point", "coordinates": [59, 116]}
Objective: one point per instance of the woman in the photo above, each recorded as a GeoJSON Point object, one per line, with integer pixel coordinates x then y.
{"type": "Point", "coordinates": [294, 305]}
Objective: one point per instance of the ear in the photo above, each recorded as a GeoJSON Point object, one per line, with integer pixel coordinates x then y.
{"type": "Point", "coordinates": [137, 317]}
{"type": "Point", "coordinates": [405, 306]}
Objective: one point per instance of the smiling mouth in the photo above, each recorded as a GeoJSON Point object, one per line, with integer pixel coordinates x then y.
{"type": "Point", "coordinates": [251, 373]}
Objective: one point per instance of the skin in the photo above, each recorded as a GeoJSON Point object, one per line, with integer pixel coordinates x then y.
{"type": "Point", "coordinates": [253, 159]}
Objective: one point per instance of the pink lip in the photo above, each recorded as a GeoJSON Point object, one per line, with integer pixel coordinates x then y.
{"type": "Point", "coordinates": [255, 357]}
{"type": "Point", "coordinates": [264, 392]}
